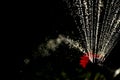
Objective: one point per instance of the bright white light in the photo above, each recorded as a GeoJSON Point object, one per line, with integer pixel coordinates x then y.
{"type": "Point", "coordinates": [117, 72]}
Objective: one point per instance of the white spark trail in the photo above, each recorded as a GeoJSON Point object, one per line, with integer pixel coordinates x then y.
{"type": "Point", "coordinates": [83, 27]}
{"type": "Point", "coordinates": [53, 44]}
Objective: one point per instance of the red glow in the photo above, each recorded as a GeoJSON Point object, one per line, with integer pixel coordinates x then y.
{"type": "Point", "coordinates": [84, 61]}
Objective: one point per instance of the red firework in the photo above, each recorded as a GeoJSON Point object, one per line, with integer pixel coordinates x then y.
{"type": "Point", "coordinates": [84, 61]}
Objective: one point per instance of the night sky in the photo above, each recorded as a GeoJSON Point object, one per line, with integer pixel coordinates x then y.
{"type": "Point", "coordinates": [37, 21]}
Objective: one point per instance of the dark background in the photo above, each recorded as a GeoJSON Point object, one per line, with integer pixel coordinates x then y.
{"type": "Point", "coordinates": [34, 22]}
